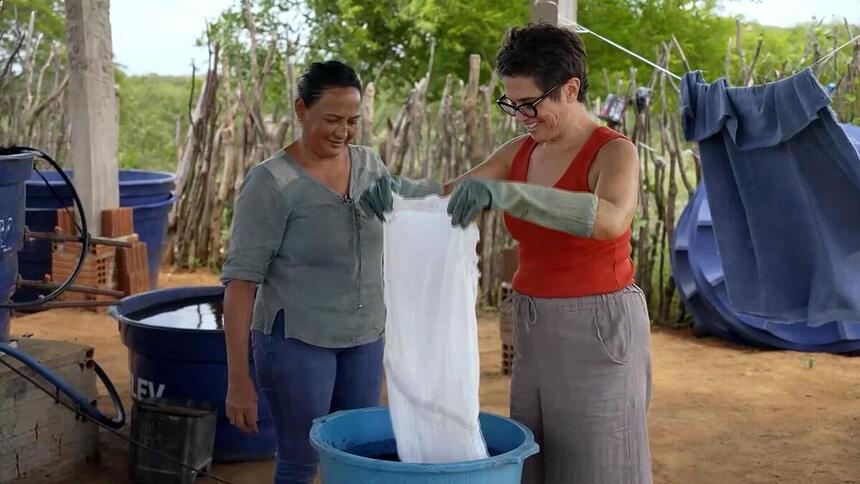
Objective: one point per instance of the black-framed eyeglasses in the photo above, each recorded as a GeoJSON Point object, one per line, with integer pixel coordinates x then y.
{"type": "Point", "coordinates": [528, 109]}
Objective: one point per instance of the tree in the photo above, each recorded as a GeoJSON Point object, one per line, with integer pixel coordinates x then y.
{"type": "Point", "coordinates": [149, 107]}
{"type": "Point", "coordinates": [643, 25]}
{"type": "Point", "coordinates": [49, 17]}
{"type": "Point", "coordinates": [391, 41]}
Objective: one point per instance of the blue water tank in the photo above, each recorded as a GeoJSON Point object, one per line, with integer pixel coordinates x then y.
{"type": "Point", "coordinates": [358, 447]}
{"type": "Point", "coordinates": [150, 224]}
{"type": "Point", "coordinates": [14, 172]}
{"type": "Point", "coordinates": [172, 356]}
{"type": "Point", "coordinates": [136, 187]}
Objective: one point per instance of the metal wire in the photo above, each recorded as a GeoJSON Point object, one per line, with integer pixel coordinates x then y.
{"type": "Point", "coordinates": [581, 29]}
{"type": "Point", "coordinates": [833, 52]}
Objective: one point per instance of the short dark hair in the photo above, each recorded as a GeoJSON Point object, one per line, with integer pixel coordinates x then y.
{"type": "Point", "coordinates": [548, 54]}
{"type": "Point", "coordinates": [326, 75]}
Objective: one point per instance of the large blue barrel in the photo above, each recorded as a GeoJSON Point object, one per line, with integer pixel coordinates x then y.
{"type": "Point", "coordinates": [150, 223]}
{"type": "Point", "coordinates": [177, 350]}
{"type": "Point", "coordinates": [698, 272]}
{"type": "Point", "coordinates": [14, 172]}
{"type": "Point", "coordinates": [136, 187]}
{"type": "Point", "coordinates": [358, 447]}
{"type": "Point", "coordinates": [149, 193]}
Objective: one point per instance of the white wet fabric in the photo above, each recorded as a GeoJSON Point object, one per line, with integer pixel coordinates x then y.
{"type": "Point", "coordinates": [432, 363]}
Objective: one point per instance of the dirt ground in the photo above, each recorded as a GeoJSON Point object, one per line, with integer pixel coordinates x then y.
{"type": "Point", "coordinates": [720, 413]}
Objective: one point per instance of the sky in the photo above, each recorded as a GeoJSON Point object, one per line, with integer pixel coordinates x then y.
{"type": "Point", "coordinates": [158, 36]}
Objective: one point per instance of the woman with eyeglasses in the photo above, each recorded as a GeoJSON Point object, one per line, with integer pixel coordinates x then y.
{"type": "Point", "coordinates": [569, 189]}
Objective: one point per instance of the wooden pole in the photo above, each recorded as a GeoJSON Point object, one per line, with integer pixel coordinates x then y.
{"type": "Point", "coordinates": [92, 107]}
{"type": "Point", "coordinates": [551, 11]}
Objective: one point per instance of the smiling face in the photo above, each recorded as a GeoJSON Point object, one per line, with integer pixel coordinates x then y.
{"type": "Point", "coordinates": [330, 123]}
{"type": "Point", "coordinates": [552, 111]}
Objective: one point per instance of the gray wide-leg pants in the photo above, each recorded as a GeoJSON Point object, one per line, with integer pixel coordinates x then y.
{"type": "Point", "coordinates": [582, 384]}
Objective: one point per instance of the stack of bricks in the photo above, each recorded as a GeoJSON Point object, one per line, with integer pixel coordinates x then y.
{"type": "Point", "coordinates": [117, 222]}
{"type": "Point", "coordinates": [105, 267]}
{"type": "Point", "coordinates": [98, 267]}
{"type": "Point", "coordinates": [97, 271]}
{"type": "Point", "coordinates": [132, 270]}
{"type": "Point", "coordinates": [40, 441]}
{"type": "Point", "coordinates": [506, 330]}
{"type": "Point", "coordinates": [510, 260]}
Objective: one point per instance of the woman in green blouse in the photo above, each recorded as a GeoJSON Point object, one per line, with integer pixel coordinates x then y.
{"type": "Point", "coordinates": [304, 274]}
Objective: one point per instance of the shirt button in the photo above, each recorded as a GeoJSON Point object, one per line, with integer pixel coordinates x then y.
{"type": "Point", "coordinates": [360, 307]}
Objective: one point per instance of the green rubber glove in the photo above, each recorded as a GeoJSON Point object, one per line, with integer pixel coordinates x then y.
{"type": "Point", "coordinates": [563, 210]}
{"type": "Point", "coordinates": [378, 199]}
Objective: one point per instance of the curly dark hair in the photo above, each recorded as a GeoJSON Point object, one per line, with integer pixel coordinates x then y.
{"type": "Point", "coordinates": [548, 54]}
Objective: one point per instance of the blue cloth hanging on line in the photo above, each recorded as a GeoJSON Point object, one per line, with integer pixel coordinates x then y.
{"type": "Point", "coordinates": [783, 182]}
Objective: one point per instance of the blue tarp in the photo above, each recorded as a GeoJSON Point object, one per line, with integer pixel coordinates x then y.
{"type": "Point", "coordinates": [783, 182]}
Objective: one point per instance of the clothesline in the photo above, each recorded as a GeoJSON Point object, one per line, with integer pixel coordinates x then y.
{"type": "Point", "coordinates": [581, 29]}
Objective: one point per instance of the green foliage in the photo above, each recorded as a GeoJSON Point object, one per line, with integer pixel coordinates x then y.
{"type": "Point", "coordinates": [49, 17]}
{"type": "Point", "coordinates": [643, 26]}
{"type": "Point", "coordinates": [390, 41]}
{"type": "Point", "coordinates": [149, 107]}
{"type": "Point", "coordinates": [49, 23]}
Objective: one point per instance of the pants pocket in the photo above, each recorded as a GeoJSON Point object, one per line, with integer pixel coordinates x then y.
{"type": "Point", "coordinates": [612, 327]}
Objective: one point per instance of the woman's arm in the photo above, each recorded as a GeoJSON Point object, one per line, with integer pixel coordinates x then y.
{"type": "Point", "coordinates": [241, 399]}
{"type": "Point", "coordinates": [378, 200]}
{"type": "Point", "coordinates": [617, 189]}
{"type": "Point", "coordinates": [259, 222]}
{"type": "Point", "coordinates": [605, 214]}
{"type": "Point", "coordinates": [495, 167]}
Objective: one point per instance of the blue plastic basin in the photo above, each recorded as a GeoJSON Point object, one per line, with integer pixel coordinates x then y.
{"type": "Point", "coordinates": [348, 441]}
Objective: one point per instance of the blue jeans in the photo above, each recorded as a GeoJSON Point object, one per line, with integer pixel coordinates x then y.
{"type": "Point", "coordinates": [301, 382]}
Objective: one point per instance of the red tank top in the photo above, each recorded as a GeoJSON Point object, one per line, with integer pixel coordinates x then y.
{"type": "Point", "coordinates": [556, 264]}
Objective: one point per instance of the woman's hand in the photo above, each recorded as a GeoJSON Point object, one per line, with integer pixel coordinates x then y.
{"type": "Point", "coordinates": [468, 200]}
{"type": "Point", "coordinates": [242, 404]}
{"type": "Point", "coordinates": [378, 199]}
